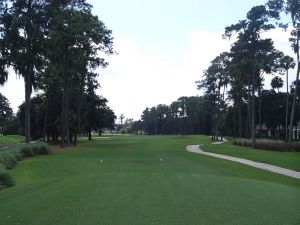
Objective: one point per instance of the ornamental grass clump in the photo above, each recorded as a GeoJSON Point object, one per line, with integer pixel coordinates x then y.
{"type": "Point", "coordinates": [268, 144]}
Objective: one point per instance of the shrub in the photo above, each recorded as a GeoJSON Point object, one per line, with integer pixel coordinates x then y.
{"type": "Point", "coordinates": [27, 150]}
{"type": "Point", "coordinates": [273, 145]}
{"type": "Point", "coordinates": [41, 148]}
{"type": "Point", "coordinates": [9, 159]}
{"type": "Point", "coordinates": [5, 179]}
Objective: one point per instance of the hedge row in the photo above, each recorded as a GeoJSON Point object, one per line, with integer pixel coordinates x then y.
{"type": "Point", "coordinates": [9, 158]}
{"type": "Point", "coordinates": [272, 145]}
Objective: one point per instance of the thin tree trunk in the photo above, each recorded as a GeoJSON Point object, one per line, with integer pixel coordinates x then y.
{"type": "Point", "coordinates": [249, 113]}
{"type": "Point", "coordinates": [253, 104]}
{"type": "Point", "coordinates": [213, 126]}
{"type": "Point", "coordinates": [287, 105]}
{"type": "Point", "coordinates": [240, 117]}
{"type": "Point", "coordinates": [295, 95]}
{"type": "Point", "coordinates": [259, 112]}
{"type": "Point", "coordinates": [90, 134]}
{"type": "Point", "coordinates": [67, 113]}
{"type": "Point", "coordinates": [27, 107]}
{"type": "Point", "coordinates": [45, 119]}
{"type": "Point", "coordinates": [63, 115]}
{"type": "Point", "coordinates": [75, 139]}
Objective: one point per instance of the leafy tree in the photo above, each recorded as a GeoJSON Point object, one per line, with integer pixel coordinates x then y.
{"type": "Point", "coordinates": [6, 112]}
{"type": "Point", "coordinates": [286, 64]}
{"type": "Point", "coordinates": [22, 36]}
{"type": "Point", "coordinates": [187, 115]}
{"type": "Point", "coordinates": [291, 7]}
{"type": "Point", "coordinates": [277, 83]}
{"type": "Point", "coordinates": [75, 39]}
{"type": "Point", "coordinates": [216, 79]}
{"type": "Point", "coordinates": [249, 32]}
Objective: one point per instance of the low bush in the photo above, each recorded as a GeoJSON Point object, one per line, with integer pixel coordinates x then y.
{"type": "Point", "coordinates": [273, 145]}
{"type": "Point", "coordinates": [9, 159]}
{"type": "Point", "coordinates": [27, 151]}
{"type": "Point", "coordinates": [5, 179]}
{"type": "Point", "coordinates": [41, 148]}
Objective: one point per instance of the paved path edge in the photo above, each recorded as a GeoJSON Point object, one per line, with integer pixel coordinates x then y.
{"type": "Point", "coordinates": [264, 166]}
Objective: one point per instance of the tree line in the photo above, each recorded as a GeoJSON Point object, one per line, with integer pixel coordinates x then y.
{"type": "Point", "coordinates": [56, 46]}
{"type": "Point", "coordinates": [235, 101]}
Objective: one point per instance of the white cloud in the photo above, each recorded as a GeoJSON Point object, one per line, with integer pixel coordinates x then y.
{"type": "Point", "coordinates": [137, 78]}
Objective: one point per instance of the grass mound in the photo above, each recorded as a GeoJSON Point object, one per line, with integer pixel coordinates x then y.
{"type": "Point", "coordinates": [9, 158]}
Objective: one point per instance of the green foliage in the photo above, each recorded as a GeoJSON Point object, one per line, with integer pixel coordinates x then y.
{"type": "Point", "coordinates": [38, 148]}
{"type": "Point", "coordinates": [9, 158]}
{"type": "Point", "coordinates": [187, 115]}
{"type": "Point", "coordinates": [5, 179]}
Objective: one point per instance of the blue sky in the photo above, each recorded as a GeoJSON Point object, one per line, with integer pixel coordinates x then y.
{"type": "Point", "coordinates": [163, 48]}
{"type": "Point", "coordinates": [158, 23]}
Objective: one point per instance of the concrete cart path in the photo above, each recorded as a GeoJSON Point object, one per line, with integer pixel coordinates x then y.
{"type": "Point", "coordinates": [264, 166]}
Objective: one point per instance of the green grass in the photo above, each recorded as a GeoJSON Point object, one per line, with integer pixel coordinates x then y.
{"type": "Point", "coordinates": [133, 187]}
{"type": "Point", "coordinates": [11, 139]}
{"type": "Point", "coordinates": [289, 160]}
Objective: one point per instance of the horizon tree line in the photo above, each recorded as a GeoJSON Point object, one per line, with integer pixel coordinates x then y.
{"type": "Point", "coordinates": [234, 81]}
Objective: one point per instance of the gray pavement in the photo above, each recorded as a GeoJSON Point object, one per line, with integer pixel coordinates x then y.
{"type": "Point", "coordinates": [264, 166]}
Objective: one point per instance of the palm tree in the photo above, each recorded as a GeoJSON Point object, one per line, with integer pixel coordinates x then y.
{"type": "Point", "coordinates": [287, 63]}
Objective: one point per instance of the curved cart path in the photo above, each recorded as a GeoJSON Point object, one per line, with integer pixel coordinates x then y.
{"type": "Point", "coordinates": [264, 166]}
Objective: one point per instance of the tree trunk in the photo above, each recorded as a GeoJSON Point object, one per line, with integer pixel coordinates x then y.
{"type": "Point", "coordinates": [45, 119]}
{"type": "Point", "coordinates": [27, 107]}
{"type": "Point", "coordinates": [259, 112]}
{"type": "Point", "coordinates": [67, 113]}
{"type": "Point", "coordinates": [63, 114]}
{"type": "Point", "coordinates": [213, 120]}
{"type": "Point", "coordinates": [90, 134]}
{"type": "Point", "coordinates": [287, 105]}
{"type": "Point", "coordinates": [75, 139]}
{"type": "Point", "coordinates": [249, 113]}
{"type": "Point", "coordinates": [240, 117]}
{"type": "Point", "coordinates": [253, 127]}
{"type": "Point", "coordinates": [295, 95]}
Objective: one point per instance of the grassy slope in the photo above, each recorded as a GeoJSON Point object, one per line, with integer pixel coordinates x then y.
{"type": "Point", "coordinates": [11, 139]}
{"type": "Point", "coordinates": [289, 160]}
{"type": "Point", "coordinates": [133, 187]}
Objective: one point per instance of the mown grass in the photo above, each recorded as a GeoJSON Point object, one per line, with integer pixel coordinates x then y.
{"type": "Point", "coordinates": [289, 160]}
{"type": "Point", "coordinates": [145, 181]}
{"type": "Point", "coordinates": [11, 139]}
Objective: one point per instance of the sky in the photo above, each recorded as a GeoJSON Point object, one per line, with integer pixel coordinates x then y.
{"type": "Point", "coordinates": [163, 47]}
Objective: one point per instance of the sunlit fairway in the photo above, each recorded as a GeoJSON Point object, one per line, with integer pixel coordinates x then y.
{"type": "Point", "coordinates": [142, 180]}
